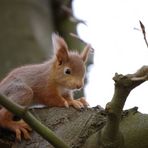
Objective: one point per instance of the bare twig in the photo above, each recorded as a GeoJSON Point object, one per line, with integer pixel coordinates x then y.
{"type": "Point", "coordinates": [77, 37]}
{"type": "Point", "coordinates": [144, 32]}
{"type": "Point", "coordinates": [77, 21]}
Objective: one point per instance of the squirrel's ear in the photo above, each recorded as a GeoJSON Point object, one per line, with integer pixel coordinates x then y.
{"type": "Point", "coordinates": [60, 48]}
{"type": "Point", "coordinates": [85, 53]}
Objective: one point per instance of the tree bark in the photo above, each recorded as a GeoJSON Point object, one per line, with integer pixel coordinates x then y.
{"type": "Point", "coordinates": [80, 129]}
{"type": "Point", "coordinates": [71, 125]}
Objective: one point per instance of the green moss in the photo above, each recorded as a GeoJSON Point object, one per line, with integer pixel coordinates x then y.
{"type": "Point", "coordinates": [135, 130]}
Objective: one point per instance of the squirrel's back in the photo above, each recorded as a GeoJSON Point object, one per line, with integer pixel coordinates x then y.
{"type": "Point", "coordinates": [28, 74]}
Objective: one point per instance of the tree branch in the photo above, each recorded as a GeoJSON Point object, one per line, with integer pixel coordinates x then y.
{"type": "Point", "coordinates": [41, 129]}
{"type": "Point", "coordinates": [144, 32]}
{"type": "Point", "coordinates": [110, 135]}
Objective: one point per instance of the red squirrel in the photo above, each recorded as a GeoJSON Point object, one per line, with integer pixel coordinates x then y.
{"type": "Point", "coordinates": [51, 83]}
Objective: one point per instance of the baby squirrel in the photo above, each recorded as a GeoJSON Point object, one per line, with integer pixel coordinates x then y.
{"type": "Point", "coordinates": [50, 83]}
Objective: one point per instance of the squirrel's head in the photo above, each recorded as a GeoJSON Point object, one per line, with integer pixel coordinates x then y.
{"type": "Point", "coordinates": [69, 66]}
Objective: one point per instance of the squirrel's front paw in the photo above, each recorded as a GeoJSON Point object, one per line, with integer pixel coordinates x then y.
{"type": "Point", "coordinates": [77, 104]}
{"type": "Point", "coordinates": [20, 127]}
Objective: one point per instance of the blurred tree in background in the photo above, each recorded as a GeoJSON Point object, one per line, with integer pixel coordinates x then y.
{"type": "Point", "coordinates": [25, 27]}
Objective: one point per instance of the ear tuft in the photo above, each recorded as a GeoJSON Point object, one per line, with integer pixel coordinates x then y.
{"type": "Point", "coordinates": [60, 48]}
{"type": "Point", "coordinates": [85, 53]}
{"type": "Point", "coordinates": [58, 42]}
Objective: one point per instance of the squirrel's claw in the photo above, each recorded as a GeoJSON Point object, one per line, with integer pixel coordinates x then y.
{"type": "Point", "coordinates": [66, 104]}
{"type": "Point", "coordinates": [83, 101]}
{"type": "Point", "coordinates": [78, 103]}
{"type": "Point", "coordinates": [20, 127]}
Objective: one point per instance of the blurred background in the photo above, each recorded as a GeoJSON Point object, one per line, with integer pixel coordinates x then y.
{"type": "Point", "coordinates": [112, 29]}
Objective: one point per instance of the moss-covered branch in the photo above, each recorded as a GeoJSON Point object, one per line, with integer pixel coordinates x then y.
{"type": "Point", "coordinates": [111, 136]}
{"type": "Point", "coordinates": [33, 122]}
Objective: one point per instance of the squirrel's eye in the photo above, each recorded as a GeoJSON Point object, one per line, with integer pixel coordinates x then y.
{"type": "Point", "coordinates": [67, 71]}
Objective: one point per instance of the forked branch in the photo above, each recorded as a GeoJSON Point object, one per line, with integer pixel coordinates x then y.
{"type": "Point", "coordinates": [110, 136]}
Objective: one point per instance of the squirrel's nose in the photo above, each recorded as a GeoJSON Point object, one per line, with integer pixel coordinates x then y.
{"type": "Point", "coordinates": [78, 86]}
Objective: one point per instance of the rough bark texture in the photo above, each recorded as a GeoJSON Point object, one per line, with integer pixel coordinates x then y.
{"type": "Point", "coordinates": [80, 128]}
{"type": "Point", "coordinates": [73, 126]}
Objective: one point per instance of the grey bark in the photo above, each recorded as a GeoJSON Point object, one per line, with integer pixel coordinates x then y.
{"type": "Point", "coordinates": [72, 126]}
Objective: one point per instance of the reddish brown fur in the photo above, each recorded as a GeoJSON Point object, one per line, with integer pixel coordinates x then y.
{"type": "Point", "coordinates": [45, 83]}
